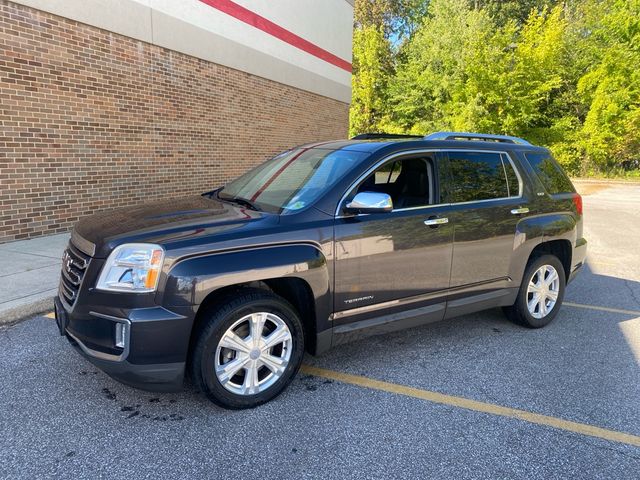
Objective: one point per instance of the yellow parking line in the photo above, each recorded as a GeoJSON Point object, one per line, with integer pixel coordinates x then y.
{"type": "Point", "coordinates": [483, 407]}
{"type": "Point", "coordinates": [461, 402]}
{"type": "Point", "coordinates": [635, 313]}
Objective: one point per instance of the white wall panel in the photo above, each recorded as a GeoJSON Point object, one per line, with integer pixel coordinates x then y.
{"type": "Point", "coordinates": [195, 28]}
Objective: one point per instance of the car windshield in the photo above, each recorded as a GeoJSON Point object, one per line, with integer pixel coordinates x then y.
{"type": "Point", "coordinates": [290, 181]}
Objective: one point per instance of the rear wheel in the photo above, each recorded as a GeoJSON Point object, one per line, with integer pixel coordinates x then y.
{"type": "Point", "coordinates": [540, 294]}
{"type": "Point", "coordinates": [248, 350]}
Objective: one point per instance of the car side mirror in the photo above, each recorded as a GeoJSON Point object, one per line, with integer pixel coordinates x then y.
{"type": "Point", "coordinates": [370, 202]}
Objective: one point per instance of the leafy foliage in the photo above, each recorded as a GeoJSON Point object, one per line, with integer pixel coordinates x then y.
{"type": "Point", "coordinates": [562, 74]}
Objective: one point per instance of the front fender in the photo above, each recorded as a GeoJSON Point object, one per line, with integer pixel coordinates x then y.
{"type": "Point", "coordinates": [190, 280]}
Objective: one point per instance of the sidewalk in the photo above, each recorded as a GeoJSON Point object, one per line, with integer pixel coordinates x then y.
{"type": "Point", "coordinates": [29, 276]}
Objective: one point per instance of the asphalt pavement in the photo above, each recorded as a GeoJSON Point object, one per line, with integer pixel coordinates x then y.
{"type": "Point", "coordinates": [61, 417]}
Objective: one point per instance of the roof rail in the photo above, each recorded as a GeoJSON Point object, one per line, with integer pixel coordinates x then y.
{"type": "Point", "coordinates": [483, 137]}
{"type": "Point", "coordinates": [372, 136]}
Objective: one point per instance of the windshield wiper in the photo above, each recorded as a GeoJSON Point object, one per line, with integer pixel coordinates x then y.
{"type": "Point", "coordinates": [240, 201]}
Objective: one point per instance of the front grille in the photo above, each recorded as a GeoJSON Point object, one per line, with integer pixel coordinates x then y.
{"type": "Point", "coordinates": [74, 266]}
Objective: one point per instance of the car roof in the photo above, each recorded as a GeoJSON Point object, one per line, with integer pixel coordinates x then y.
{"type": "Point", "coordinates": [411, 143]}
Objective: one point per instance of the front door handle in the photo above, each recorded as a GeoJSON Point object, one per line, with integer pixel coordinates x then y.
{"type": "Point", "coordinates": [434, 222]}
{"type": "Point", "coordinates": [520, 211]}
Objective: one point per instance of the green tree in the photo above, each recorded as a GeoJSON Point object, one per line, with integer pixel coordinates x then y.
{"type": "Point", "coordinates": [428, 89]}
{"type": "Point", "coordinates": [378, 26]}
{"type": "Point", "coordinates": [506, 11]}
{"type": "Point", "coordinates": [611, 87]}
{"type": "Point", "coordinates": [564, 74]}
{"type": "Point", "coordinates": [371, 71]}
{"type": "Point", "coordinates": [515, 76]}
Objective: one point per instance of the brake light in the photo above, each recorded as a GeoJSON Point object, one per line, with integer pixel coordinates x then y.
{"type": "Point", "coordinates": [577, 201]}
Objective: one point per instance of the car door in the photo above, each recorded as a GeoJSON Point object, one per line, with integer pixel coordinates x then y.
{"type": "Point", "coordinates": [487, 201]}
{"type": "Point", "coordinates": [398, 260]}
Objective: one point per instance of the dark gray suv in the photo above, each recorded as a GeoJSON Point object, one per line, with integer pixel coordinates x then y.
{"type": "Point", "coordinates": [322, 244]}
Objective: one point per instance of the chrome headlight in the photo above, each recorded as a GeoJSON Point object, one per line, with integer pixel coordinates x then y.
{"type": "Point", "coordinates": [132, 267]}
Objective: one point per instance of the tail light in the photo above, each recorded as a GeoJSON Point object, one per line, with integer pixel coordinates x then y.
{"type": "Point", "coordinates": [577, 201]}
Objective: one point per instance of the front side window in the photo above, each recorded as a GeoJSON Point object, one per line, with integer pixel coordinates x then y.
{"type": "Point", "coordinates": [480, 176]}
{"type": "Point", "coordinates": [409, 182]}
{"type": "Point", "coordinates": [292, 180]}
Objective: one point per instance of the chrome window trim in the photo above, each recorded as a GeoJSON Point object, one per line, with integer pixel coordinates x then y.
{"type": "Point", "coordinates": [398, 210]}
{"type": "Point", "coordinates": [520, 182]}
{"type": "Point", "coordinates": [432, 150]}
{"type": "Point", "coordinates": [372, 169]}
{"type": "Point", "coordinates": [513, 165]}
{"type": "Point", "coordinates": [506, 179]}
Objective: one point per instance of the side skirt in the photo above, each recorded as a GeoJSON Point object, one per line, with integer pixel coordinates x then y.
{"type": "Point", "coordinates": [501, 297]}
{"type": "Point", "coordinates": [388, 323]}
{"type": "Point", "coordinates": [415, 317]}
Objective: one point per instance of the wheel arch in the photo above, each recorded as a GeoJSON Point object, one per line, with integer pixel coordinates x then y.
{"type": "Point", "coordinates": [558, 248]}
{"type": "Point", "coordinates": [550, 233]}
{"type": "Point", "coordinates": [297, 273]}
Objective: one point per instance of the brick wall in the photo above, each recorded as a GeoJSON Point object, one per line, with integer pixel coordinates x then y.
{"type": "Point", "coordinates": [91, 120]}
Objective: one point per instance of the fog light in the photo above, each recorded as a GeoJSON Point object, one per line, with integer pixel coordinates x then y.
{"type": "Point", "coordinates": [120, 335]}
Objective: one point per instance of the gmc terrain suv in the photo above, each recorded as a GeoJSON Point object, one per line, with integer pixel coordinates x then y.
{"type": "Point", "coordinates": [319, 245]}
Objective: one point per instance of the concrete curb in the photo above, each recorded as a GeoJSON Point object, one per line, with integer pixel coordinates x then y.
{"type": "Point", "coordinates": [19, 313]}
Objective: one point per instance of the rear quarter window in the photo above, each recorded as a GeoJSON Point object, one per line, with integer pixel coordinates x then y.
{"type": "Point", "coordinates": [550, 173]}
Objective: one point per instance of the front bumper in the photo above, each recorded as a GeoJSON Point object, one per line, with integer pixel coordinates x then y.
{"type": "Point", "coordinates": [142, 347]}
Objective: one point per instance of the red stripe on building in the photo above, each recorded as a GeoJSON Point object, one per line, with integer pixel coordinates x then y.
{"type": "Point", "coordinates": [261, 23]}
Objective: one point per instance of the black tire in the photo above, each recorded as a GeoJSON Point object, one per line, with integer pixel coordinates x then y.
{"type": "Point", "coordinates": [217, 321]}
{"type": "Point", "coordinates": [519, 311]}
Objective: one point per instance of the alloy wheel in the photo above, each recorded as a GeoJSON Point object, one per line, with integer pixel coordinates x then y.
{"type": "Point", "coordinates": [542, 291]}
{"type": "Point", "coordinates": [253, 353]}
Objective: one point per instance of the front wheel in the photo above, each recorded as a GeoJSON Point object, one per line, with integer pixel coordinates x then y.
{"type": "Point", "coordinates": [541, 293]}
{"type": "Point", "coordinates": [248, 350]}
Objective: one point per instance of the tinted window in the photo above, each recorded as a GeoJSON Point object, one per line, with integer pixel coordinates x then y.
{"type": "Point", "coordinates": [512, 179]}
{"type": "Point", "coordinates": [409, 182]}
{"type": "Point", "coordinates": [293, 179]}
{"type": "Point", "coordinates": [388, 173]}
{"type": "Point", "coordinates": [477, 176]}
{"type": "Point", "coordinates": [549, 173]}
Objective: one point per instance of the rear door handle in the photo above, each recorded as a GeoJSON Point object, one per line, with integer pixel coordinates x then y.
{"type": "Point", "coordinates": [520, 211]}
{"type": "Point", "coordinates": [434, 222]}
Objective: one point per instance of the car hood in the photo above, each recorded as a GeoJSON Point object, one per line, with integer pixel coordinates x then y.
{"type": "Point", "coordinates": [165, 222]}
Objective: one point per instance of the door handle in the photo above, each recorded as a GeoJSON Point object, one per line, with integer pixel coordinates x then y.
{"type": "Point", "coordinates": [434, 222]}
{"type": "Point", "coordinates": [520, 211]}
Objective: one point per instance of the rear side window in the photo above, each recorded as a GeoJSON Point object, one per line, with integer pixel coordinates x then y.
{"type": "Point", "coordinates": [549, 173]}
{"type": "Point", "coordinates": [482, 176]}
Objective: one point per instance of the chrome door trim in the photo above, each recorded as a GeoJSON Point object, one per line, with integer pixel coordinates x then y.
{"type": "Point", "coordinates": [380, 306]}
{"type": "Point", "coordinates": [410, 300]}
